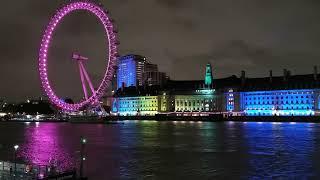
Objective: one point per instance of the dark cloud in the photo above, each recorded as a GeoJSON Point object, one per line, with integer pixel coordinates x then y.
{"type": "Point", "coordinates": [179, 35]}
{"type": "Point", "coordinates": [171, 3]}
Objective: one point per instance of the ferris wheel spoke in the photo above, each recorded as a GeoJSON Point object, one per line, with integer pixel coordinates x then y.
{"type": "Point", "coordinates": [84, 87]}
{"type": "Point", "coordinates": [87, 78]}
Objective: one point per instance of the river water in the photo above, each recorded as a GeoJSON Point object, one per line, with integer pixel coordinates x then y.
{"type": "Point", "coordinates": [171, 150]}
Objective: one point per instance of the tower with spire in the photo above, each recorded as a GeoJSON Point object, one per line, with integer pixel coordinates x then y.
{"type": "Point", "coordinates": [208, 76]}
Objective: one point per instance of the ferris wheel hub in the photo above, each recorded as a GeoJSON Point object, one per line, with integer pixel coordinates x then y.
{"type": "Point", "coordinates": [78, 57]}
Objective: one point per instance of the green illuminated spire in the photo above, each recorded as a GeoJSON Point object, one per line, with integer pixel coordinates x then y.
{"type": "Point", "coordinates": [208, 78]}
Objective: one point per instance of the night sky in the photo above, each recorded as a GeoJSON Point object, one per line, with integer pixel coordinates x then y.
{"type": "Point", "coordinates": [181, 36]}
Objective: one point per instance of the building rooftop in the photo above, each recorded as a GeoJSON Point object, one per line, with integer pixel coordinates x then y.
{"type": "Point", "coordinates": [132, 56]}
{"type": "Point", "coordinates": [280, 82]}
{"type": "Point", "coordinates": [307, 81]}
{"type": "Point", "coordinates": [137, 91]}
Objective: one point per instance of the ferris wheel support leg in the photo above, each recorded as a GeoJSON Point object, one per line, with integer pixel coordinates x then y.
{"type": "Point", "coordinates": [83, 82]}
{"type": "Point", "coordinates": [87, 78]}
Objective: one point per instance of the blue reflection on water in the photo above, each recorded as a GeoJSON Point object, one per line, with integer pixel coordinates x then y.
{"type": "Point", "coordinates": [279, 150]}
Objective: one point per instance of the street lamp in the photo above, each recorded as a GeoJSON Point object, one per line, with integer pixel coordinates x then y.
{"type": "Point", "coordinates": [83, 140]}
{"type": "Point", "coordinates": [82, 157]}
{"type": "Point", "coordinates": [16, 147]}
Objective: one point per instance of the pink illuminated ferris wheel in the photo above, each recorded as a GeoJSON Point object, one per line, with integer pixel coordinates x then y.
{"type": "Point", "coordinates": [110, 37]}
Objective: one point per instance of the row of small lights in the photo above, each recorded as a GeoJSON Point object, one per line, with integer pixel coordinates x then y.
{"type": "Point", "coordinates": [191, 122]}
{"type": "Point", "coordinates": [37, 123]}
{"type": "Point", "coordinates": [199, 122]}
{"type": "Point", "coordinates": [275, 94]}
{"type": "Point", "coordinates": [146, 121]}
{"type": "Point", "coordinates": [232, 122]}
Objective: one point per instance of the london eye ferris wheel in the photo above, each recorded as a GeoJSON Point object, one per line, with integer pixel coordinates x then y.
{"type": "Point", "coordinates": [93, 96]}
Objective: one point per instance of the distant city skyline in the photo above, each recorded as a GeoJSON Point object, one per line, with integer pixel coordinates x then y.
{"type": "Point", "coordinates": [180, 36]}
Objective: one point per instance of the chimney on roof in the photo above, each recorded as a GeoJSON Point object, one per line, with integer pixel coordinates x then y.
{"type": "Point", "coordinates": [243, 77]}
{"type": "Point", "coordinates": [315, 73]}
{"type": "Point", "coordinates": [270, 76]}
{"type": "Point", "coordinates": [284, 74]}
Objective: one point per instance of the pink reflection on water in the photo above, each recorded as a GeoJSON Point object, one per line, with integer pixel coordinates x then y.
{"type": "Point", "coordinates": [42, 146]}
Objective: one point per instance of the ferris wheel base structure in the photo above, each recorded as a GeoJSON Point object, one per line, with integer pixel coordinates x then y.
{"type": "Point", "coordinates": [111, 41]}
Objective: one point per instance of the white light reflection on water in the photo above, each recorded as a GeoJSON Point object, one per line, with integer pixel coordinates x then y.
{"type": "Point", "coordinates": [276, 123]}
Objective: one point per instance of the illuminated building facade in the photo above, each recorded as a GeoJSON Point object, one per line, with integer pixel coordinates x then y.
{"type": "Point", "coordinates": [208, 76]}
{"type": "Point", "coordinates": [287, 95]}
{"type": "Point", "coordinates": [279, 102]}
{"type": "Point", "coordinates": [139, 105]}
{"type": "Point", "coordinates": [202, 100]}
{"type": "Point", "coordinates": [134, 70]}
{"type": "Point", "coordinates": [194, 96]}
{"type": "Point", "coordinates": [130, 70]}
{"type": "Point", "coordinates": [166, 102]}
{"type": "Point", "coordinates": [136, 101]}
{"type": "Point", "coordinates": [230, 100]}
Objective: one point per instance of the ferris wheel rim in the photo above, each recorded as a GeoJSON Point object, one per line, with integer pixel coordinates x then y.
{"type": "Point", "coordinates": [105, 20]}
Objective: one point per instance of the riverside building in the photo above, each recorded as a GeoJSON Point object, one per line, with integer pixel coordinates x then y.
{"type": "Point", "coordinates": [129, 71]}
{"type": "Point", "coordinates": [287, 95]}
{"type": "Point", "coordinates": [135, 70]}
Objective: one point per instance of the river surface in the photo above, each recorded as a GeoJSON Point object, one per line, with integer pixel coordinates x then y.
{"type": "Point", "coordinates": [171, 150]}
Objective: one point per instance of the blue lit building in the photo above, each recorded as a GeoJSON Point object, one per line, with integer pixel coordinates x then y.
{"type": "Point", "coordinates": [300, 102]}
{"type": "Point", "coordinates": [286, 95]}
{"type": "Point", "coordinates": [230, 100]}
{"type": "Point", "coordinates": [130, 70]}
